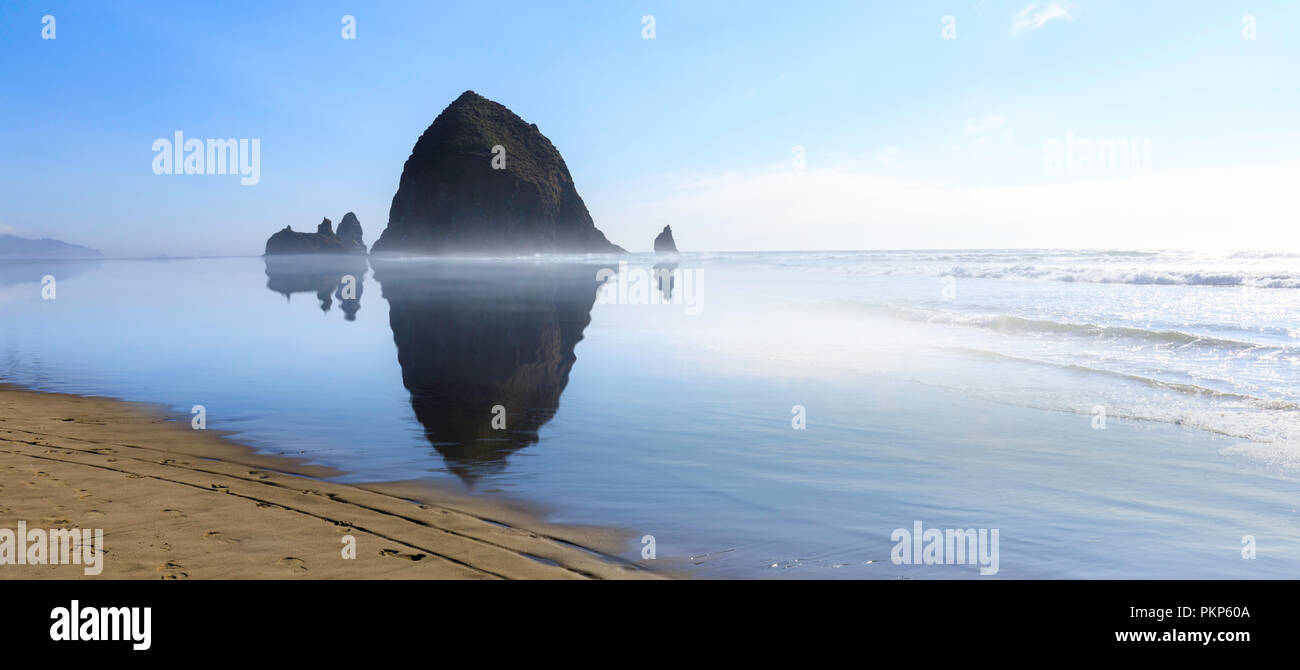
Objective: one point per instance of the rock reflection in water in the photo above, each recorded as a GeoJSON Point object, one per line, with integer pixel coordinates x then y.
{"type": "Point", "coordinates": [478, 340]}
{"type": "Point", "coordinates": [329, 277]}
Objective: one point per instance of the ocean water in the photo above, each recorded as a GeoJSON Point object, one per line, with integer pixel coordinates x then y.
{"type": "Point", "coordinates": [770, 415]}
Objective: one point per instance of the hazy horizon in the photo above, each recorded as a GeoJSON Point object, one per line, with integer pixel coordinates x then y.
{"type": "Point", "coordinates": [754, 128]}
{"type": "Point", "coordinates": [488, 256]}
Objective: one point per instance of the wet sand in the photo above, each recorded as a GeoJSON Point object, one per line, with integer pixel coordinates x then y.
{"type": "Point", "coordinates": [177, 503]}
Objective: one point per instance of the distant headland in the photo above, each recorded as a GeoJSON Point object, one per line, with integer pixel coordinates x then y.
{"type": "Point", "coordinates": [12, 247]}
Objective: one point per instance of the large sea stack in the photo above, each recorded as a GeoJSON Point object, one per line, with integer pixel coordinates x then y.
{"type": "Point", "coordinates": [482, 180]}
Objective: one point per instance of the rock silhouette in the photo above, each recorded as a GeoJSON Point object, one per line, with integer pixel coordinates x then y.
{"type": "Point", "coordinates": [473, 338]}
{"type": "Point", "coordinates": [664, 241]}
{"type": "Point", "coordinates": [482, 180]}
{"type": "Point", "coordinates": [329, 277]}
{"type": "Point", "coordinates": [349, 233]}
{"type": "Point", "coordinates": [323, 241]}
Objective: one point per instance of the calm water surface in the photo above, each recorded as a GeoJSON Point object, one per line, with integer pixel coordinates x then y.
{"type": "Point", "coordinates": [960, 389]}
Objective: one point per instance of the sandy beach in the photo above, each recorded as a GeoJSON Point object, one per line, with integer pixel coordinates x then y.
{"type": "Point", "coordinates": [177, 503]}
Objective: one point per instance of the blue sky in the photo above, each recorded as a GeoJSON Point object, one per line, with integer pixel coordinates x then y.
{"type": "Point", "coordinates": [909, 139]}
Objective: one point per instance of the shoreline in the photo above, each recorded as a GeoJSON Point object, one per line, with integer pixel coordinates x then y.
{"type": "Point", "coordinates": [176, 503]}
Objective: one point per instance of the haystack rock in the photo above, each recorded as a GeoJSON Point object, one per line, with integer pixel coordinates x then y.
{"type": "Point", "coordinates": [482, 180]}
{"type": "Point", "coordinates": [664, 242]}
{"type": "Point", "coordinates": [323, 241]}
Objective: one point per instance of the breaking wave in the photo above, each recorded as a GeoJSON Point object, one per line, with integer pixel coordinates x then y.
{"type": "Point", "coordinates": [1153, 277]}
{"type": "Point", "coordinates": [1009, 323]}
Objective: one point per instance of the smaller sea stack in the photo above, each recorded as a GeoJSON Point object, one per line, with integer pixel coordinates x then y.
{"type": "Point", "coordinates": [664, 242]}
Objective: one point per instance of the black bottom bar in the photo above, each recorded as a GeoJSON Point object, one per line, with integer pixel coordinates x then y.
{"type": "Point", "coordinates": [937, 620]}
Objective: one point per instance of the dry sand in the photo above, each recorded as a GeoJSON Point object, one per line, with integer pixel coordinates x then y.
{"type": "Point", "coordinates": [177, 503]}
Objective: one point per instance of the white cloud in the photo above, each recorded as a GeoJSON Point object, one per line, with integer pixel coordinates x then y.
{"type": "Point", "coordinates": [987, 132]}
{"type": "Point", "coordinates": [988, 125]}
{"type": "Point", "coordinates": [850, 208]}
{"type": "Point", "coordinates": [888, 157]}
{"type": "Point", "coordinates": [1037, 14]}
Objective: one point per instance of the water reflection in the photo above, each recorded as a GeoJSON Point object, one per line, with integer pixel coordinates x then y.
{"type": "Point", "coordinates": [14, 271]}
{"type": "Point", "coordinates": [329, 277]}
{"type": "Point", "coordinates": [666, 275]}
{"type": "Point", "coordinates": [485, 347]}
{"type": "Point", "coordinates": [481, 345]}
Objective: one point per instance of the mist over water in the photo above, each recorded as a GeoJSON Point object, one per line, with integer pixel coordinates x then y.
{"type": "Point", "coordinates": [960, 388]}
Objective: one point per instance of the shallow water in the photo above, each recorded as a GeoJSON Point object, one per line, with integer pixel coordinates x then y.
{"type": "Point", "coordinates": [962, 389]}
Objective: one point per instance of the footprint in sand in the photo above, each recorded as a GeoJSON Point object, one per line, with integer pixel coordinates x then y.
{"type": "Point", "coordinates": [95, 514]}
{"type": "Point", "coordinates": [220, 537]}
{"type": "Point", "coordinates": [173, 570]}
{"type": "Point", "coordinates": [393, 553]}
{"type": "Point", "coordinates": [296, 565]}
{"type": "Point", "coordinates": [83, 494]}
{"type": "Point", "coordinates": [173, 513]}
{"type": "Point", "coordinates": [259, 475]}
